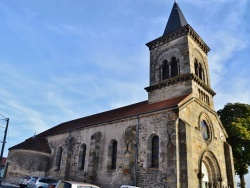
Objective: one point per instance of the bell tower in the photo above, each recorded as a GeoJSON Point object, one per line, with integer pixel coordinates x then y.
{"type": "Point", "coordinates": [178, 63]}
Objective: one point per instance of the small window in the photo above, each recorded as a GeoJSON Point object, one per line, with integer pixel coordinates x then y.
{"type": "Point", "coordinates": [155, 152]}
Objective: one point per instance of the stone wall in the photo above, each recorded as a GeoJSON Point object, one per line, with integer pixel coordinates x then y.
{"type": "Point", "coordinates": [21, 163]}
{"type": "Point", "coordinates": [198, 148]}
{"type": "Point", "coordinates": [97, 140]}
{"type": "Point", "coordinates": [162, 124]}
{"type": "Point", "coordinates": [179, 49]}
{"type": "Point", "coordinates": [195, 52]}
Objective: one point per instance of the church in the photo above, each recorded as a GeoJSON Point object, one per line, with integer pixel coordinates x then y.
{"type": "Point", "coordinates": [174, 139]}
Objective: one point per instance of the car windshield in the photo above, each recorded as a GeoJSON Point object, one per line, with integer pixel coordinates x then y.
{"type": "Point", "coordinates": [64, 185]}
{"type": "Point", "coordinates": [52, 181]}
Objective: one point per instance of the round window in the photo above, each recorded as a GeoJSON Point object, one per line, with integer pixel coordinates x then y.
{"type": "Point", "coordinates": [204, 130]}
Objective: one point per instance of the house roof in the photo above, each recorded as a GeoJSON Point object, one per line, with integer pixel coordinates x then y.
{"type": "Point", "coordinates": [176, 20]}
{"type": "Point", "coordinates": [112, 115]}
{"type": "Point", "coordinates": [35, 144]}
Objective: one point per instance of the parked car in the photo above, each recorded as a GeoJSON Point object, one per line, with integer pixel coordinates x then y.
{"type": "Point", "coordinates": [128, 186]}
{"type": "Point", "coordinates": [52, 185]}
{"type": "Point", "coordinates": [74, 184]}
{"type": "Point", "coordinates": [42, 182]}
{"type": "Point", "coordinates": [25, 180]}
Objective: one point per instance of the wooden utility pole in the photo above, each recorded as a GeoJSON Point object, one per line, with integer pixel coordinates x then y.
{"type": "Point", "coordinates": [4, 139]}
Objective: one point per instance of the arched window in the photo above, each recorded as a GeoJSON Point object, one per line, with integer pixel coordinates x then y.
{"type": "Point", "coordinates": [169, 69]}
{"type": "Point", "coordinates": [155, 152]}
{"type": "Point", "coordinates": [174, 67]}
{"type": "Point", "coordinates": [165, 70]}
{"type": "Point", "coordinates": [196, 68]}
{"type": "Point", "coordinates": [201, 72]}
{"type": "Point", "coordinates": [112, 155]}
{"type": "Point", "coordinates": [58, 159]}
{"type": "Point", "coordinates": [81, 159]}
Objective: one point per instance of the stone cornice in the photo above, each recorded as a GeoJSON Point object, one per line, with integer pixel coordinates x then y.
{"type": "Point", "coordinates": [198, 39]}
{"type": "Point", "coordinates": [186, 30]}
{"type": "Point", "coordinates": [202, 84]}
{"type": "Point", "coordinates": [179, 79]}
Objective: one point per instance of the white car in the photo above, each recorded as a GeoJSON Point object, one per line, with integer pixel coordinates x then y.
{"type": "Point", "coordinates": [128, 186]}
{"type": "Point", "coordinates": [74, 184]}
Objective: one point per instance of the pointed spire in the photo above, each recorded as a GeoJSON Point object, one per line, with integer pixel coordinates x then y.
{"type": "Point", "coordinates": [176, 20]}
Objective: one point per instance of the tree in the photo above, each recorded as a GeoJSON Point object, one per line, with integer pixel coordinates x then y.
{"type": "Point", "coordinates": [236, 120]}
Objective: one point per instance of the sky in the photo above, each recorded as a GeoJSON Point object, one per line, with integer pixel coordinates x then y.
{"type": "Point", "coordinates": [65, 59]}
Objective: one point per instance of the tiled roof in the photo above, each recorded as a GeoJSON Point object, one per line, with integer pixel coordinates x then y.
{"type": "Point", "coordinates": [176, 20]}
{"type": "Point", "coordinates": [34, 144]}
{"type": "Point", "coordinates": [116, 114]}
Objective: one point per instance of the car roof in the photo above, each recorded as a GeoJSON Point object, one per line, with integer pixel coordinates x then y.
{"type": "Point", "coordinates": [78, 183]}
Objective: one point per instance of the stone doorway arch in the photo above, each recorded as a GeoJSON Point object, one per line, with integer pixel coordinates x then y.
{"type": "Point", "coordinates": [209, 173]}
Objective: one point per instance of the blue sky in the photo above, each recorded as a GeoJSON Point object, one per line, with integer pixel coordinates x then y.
{"type": "Point", "coordinates": [65, 59]}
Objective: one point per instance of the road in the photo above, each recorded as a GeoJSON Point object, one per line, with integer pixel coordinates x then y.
{"type": "Point", "coordinates": [4, 186]}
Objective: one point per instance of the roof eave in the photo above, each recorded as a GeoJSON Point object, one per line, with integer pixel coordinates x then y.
{"type": "Point", "coordinates": [184, 31]}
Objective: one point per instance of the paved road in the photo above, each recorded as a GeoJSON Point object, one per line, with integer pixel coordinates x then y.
{"type": "Point", "coordinates": [4, 186]}
{"type": "Point", "coordinates": [9, 186]}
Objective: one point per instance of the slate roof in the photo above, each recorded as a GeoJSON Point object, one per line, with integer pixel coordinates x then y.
{"type": "Point", "coordinates": [34, 144]}
{"type": "Point", "coordinates": [176, 20]}
{"type": "Point", "coordinates": [112, 115]}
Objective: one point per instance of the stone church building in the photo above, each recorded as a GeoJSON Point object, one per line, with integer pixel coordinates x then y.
{"type": "Point", "coordinates": [172, 140]}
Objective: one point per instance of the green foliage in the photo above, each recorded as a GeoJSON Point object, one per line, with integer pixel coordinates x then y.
{"type": "Point", "coordinates": [236, 120]}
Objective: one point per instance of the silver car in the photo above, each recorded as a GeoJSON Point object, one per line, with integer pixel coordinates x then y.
{"type": "Point", "coordinates": [26, 180]}
{"type": "Point", "coordinates": [42, 182]}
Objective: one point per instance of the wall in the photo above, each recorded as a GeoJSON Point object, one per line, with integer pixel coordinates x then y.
{"type": "Point", "coordinates": [97, 140]}
{"type": "Point", "coordinates": [193, 113]}
{"type": "Point", "coordinates": [179, 49]}
{"type": "Point", "coordinates": [162, 124]}
{"type": "Point", "coordinates": [24, 162]}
